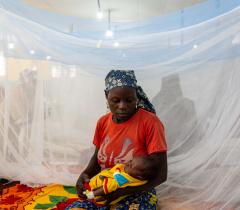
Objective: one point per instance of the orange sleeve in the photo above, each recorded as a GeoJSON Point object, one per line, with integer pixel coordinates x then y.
{"type": "Point", "coordinates": [155, 137]}
{"type": "Point", "coordinates": [97, 135]}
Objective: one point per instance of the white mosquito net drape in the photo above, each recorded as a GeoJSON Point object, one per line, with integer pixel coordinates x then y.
{"type": "Point", "coordinates": [51, 95]}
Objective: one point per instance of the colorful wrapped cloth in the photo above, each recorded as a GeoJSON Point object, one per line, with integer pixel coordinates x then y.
{"type": "Point", "coordinates": [22, 197]}
{"type": "Point", "coordinates": [112, 179]}
{"type": "Point", "coordinates": [144, 200]}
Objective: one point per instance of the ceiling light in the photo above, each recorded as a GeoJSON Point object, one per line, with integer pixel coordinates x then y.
{"type": "Point", "coordinates": [116, 44]}
{"type": "Point", "coordinates": [99, 13]}
{"type": "Point", "coordinates": [109, 33]}
{"type": "Point", "coordinates": [195, 46]}
{"type": "Point", "coordinates": [32, 52]}
{"type": "Point", "coordinates": [48, 57]}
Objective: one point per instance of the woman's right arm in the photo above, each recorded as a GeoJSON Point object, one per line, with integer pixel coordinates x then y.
{"type": "Point", "coordinates": [92, 169]}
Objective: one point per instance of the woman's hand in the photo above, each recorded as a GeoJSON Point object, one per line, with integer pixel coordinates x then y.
{"type": "Point", "coordinates": [83, 178]}
{"type": "Point", "coordinates": [108, 198]}
{"type": "Point", "coordinates": [92, 169]}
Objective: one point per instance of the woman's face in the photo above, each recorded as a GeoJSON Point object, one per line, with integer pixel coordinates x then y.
{"type": "Point", "coordinates": [122, 102]}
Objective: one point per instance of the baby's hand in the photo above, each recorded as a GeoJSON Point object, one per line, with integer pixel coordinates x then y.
{"type": "Point", "coordinates": [89, 194]}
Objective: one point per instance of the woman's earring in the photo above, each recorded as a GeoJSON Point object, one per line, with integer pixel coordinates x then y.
{"type": "Point", "coordinates": [136, 105]}
{"type": "Point", "coordinates": [107, 105]}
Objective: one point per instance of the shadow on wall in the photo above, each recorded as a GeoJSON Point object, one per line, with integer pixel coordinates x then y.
{"type": "Point", "coordinates": [16, 120]}
{"type": "Point", "coordinates": [178, 115]}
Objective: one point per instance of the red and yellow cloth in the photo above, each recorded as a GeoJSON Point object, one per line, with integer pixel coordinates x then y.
{"type": "Point", "coordinates": [112, 179]}
{"type": "Point", "coordinates": [110, 183]}
{"type": "Point", "coordinates": [22, 197]}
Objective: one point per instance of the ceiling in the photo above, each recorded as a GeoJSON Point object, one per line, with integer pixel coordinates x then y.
{"type": "Point", "coordinates": [121, 10]}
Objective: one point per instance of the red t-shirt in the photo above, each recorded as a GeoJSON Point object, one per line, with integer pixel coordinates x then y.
{"type": "Point", "coordinates": [142, 134]}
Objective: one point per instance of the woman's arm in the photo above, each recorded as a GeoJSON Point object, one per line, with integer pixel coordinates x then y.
{"type": "Point", "coordinates": [160, 160]}
{"type": "Point", "coordinates": [92, 169]}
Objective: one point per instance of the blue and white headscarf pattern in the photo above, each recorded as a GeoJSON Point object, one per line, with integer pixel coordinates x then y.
{"type": "Point", "coordinates": [121, 78]}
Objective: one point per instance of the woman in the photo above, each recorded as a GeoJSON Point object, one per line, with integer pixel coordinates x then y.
{"type": "Point", "coordinates": [131, 129]}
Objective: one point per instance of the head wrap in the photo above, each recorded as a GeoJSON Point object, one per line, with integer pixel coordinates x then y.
{"type": "Point", "coordinates": [122, 78]}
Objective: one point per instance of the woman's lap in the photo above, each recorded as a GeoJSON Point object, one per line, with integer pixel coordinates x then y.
{"type": "Point", "coordinates": [145, 200]}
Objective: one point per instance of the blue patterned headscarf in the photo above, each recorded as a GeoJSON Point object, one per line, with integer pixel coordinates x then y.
{"type": "Point", "coordinates": [121, 78]}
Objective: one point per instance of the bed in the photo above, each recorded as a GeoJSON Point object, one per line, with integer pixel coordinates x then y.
{"type": "Point", "coordinates": [18, 196]}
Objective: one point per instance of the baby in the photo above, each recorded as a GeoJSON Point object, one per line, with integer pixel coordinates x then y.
{"type": "Point", "coordinates": [135, 172]}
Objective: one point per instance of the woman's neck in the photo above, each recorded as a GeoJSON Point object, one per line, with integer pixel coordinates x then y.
{"type": "Point", "coordinates": [118, 121]}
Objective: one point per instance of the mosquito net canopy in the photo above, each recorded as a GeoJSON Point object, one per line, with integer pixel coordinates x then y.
{"type": "Point", "coordinates": [51, 95]}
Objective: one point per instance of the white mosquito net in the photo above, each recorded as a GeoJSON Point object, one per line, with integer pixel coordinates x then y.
{"type": "Point", "coordinates": [51, 95]}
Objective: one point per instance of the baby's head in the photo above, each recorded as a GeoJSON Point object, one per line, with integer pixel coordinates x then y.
{"type": "Point", "coordinates": [142, 168]}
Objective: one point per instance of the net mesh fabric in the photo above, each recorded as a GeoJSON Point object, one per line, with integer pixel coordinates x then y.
{"type": "Point", "coordinates": [51, 99]}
